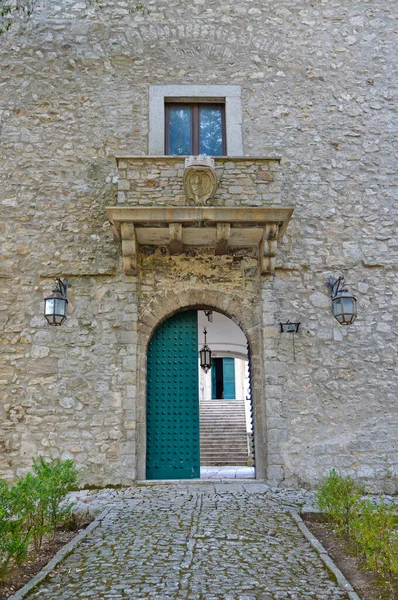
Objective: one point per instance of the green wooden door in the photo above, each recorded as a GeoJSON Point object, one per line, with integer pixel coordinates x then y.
{"type": "Point", "coordinates": [223, 378]}
{"type": "Point", "coordinates": [229, 378]}
{"type": "Point", "coordinates": [173, 400]}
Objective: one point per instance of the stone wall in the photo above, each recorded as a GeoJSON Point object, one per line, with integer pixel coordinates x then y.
{"type": "Point", "coordinates": [319, 88]}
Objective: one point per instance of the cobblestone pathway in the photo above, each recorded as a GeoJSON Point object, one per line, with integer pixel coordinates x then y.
{"type": "Point", "coordinates": [202, 542]}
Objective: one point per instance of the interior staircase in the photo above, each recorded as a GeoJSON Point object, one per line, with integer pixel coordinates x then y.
{"type": "Point", "coordinates": [223, 437]}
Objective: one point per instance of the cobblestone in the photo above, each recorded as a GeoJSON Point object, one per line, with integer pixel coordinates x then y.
{"type": "Point", "coordinates": [195, 542]}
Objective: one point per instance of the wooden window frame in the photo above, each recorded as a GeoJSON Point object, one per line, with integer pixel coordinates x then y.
{"type": "Point", "coordinates": [195, 121]}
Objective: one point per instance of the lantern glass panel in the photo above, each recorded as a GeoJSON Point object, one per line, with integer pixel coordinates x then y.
{"type": "Point", "coordinates": [347, 305]}
{"type": "Point", "coordinates": [60, 307]}
{"type": "Point", "coordinates": [50, 306]}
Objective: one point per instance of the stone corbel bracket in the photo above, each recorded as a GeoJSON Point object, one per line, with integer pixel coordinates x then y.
{"type": "Point", "coordinates": [269, 247]}
{"type": "Point", "coordinates": [129, 247]}
{"type": "Point", "coordinates": [221, 228]}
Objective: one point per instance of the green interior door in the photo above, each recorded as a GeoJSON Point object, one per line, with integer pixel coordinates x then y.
{"type": "Point", "coordinates": [173, 450]}
{"type": "Point", "coordinates": [223, 378]}
{"type": "Point", "coordinates": [229, 378]}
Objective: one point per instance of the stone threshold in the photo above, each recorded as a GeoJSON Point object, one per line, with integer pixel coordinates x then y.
{"type": "Point", "coordinates": [147, 482]}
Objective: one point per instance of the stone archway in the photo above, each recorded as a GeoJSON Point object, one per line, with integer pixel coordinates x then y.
{"type": "Point", "coordinates": [244, 313]}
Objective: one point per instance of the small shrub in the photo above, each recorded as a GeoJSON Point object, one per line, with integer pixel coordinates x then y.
{"type": "Point", "coordinates": [14, 534]}
{"type": "Point", "coordinates": [32, 508]}
{"type": "Point", "coordinates": [373, 531]}
{"type": "Point", "coordinates": [338, 498]}
{"type": "Point", "coordinates": [57, 478]}
{"type": "Point", "coordinates": [31, 494]}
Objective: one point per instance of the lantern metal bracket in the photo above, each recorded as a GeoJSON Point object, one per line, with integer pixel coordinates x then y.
{"type": "Point", "coordinates": [336, 286]}
{"type": "Point", "coordinates": [61, 286]}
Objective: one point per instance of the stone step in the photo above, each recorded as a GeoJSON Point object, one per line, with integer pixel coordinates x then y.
{"type": "Point", "coordinates": [214, 449]}
{"type": "Point", "coordinates": [223, 435]}
{"type": "Point", "coordinates": [232, 405]}
{"type": "Point", "coordinates": [224, 428]}
{"type": "Point", "coordinates": [217, 452]}
{"type": "Point", "coordinates": [226, 433]}
{"type": "Point", "coordinates": [226, 406]}
{"type": "Point", "coordinates": [222, 419]}
{"type": "Point", "coordinates": [226, 440]}
{"type": "Point", "coordinates": [239, 453]}
{"type": "Point", "coordinates": [225, 455]}
{"type": "Point", "coordinates": [209, 463]}
{"type": "Point", "coordinates": [242, 437]}
{"type": "Point", "coordinates": [220, 414]}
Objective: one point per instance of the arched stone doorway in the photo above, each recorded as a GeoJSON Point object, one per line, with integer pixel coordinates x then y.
{"type": "Point", "coordinates": [244, 314]}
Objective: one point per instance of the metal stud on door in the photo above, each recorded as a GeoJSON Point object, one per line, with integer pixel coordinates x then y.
{"type": "Point", "coordinates": [173, 400]}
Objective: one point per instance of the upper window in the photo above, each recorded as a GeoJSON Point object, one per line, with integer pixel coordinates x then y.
{"type": "Point", "coordinates": [195, 119]}
{"type": "Point", "coordinates": [195, 128]}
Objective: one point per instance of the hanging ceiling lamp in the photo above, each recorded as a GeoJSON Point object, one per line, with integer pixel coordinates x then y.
{"type": "Point", "coordinates": [205, 355]}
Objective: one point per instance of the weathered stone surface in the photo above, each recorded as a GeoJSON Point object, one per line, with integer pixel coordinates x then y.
{"type": "Point", "coordinates": [322, 95]}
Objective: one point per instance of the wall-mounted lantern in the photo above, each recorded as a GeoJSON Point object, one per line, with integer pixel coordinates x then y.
{"type": "Point", "coordinates": [289, 327]}
{"type": "Point", "coordinates": [293, 328]}
{"type": "Point", "coordinates": [55, 306]}
{"type": "Point", "coordinates": [344, 305]}
{"type": "Point", "coordinates": [205, 355]}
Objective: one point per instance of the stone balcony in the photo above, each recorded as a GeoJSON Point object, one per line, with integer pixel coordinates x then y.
{"type": "Point", "coordinates": [158, 181]}
{"type": "Point", "coordinates": [231, 203]}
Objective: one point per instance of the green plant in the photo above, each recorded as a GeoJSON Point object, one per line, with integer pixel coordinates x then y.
{"type": "Point", "coordinates": [31, 493]}
{"type": "Point", "coordinates": [32, 508]}
{"type": "Point", "coordinates": [338, 498]}
{"type": "Point", "coordinates": [56, 479]}
{"type": "Point", "coordinates": [14, 535]}
{"type": "Point", "coordinates": [373, 531]}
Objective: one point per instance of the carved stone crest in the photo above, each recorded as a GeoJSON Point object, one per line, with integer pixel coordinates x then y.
{"type": "Point", "coordinates": [200, 180]}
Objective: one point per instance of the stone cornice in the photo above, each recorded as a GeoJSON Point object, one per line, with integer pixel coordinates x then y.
{"type": "Point", "coordinates": [221, 159]}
